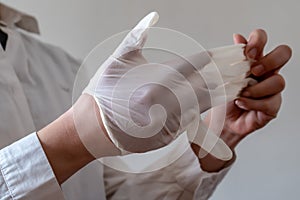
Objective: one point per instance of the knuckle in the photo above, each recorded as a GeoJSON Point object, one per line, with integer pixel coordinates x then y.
{"type": "Point", "coordinates": [274, 105]}
{"type": "Point", "coordinates": [280, 82]}
{"type": "Point", "coordinates": [279, 100]}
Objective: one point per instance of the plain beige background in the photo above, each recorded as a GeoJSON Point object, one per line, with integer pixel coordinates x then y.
{"type": "Point", "coordinates": [268, 161]}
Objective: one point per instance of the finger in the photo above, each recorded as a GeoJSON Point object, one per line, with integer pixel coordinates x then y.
{"type": "Point", "coordinates": [269, 106]}
{"type": "Point", "coordinates": [239, 39]}
{"type": "Point", "coordinates": [256, 44]}
{"type": "Point", "coordinates": [267, 87]}
{"type": "Point", "coordinates": [272, 61]}
{"type": "Point", "coordinates": [136, 38]}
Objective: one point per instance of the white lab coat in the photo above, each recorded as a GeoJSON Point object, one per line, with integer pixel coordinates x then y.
{"type": "Point", "coordinates": [36, 81]}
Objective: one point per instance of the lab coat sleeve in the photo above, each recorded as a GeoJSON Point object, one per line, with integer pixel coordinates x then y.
{"type": "Point", "coordinates": [183, 179]}
{"type": "Point", "coordinates": [26, 173]}
{"type": "Point", "coordinates": [210, 181]}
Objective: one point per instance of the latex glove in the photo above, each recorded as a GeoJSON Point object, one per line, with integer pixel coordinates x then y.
{"type": "Point", "coordinates": [234, 69]}
{"type": "Point", "coordinates": [145, 106]}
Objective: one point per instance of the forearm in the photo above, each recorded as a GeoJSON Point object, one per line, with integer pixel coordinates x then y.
{"type": "Point", "coordinates": [63, 147]}
{"type": "Point", "coordinates": [66, 150]}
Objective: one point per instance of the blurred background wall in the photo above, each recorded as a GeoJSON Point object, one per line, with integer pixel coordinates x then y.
{"type": "Point", "coordinates": [268, 161]}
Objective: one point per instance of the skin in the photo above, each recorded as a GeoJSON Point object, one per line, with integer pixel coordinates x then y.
{"type": "Point", "coordinates": [258, 104]}
{"type": "Point", "coordinates": [256, 107]}
{"type": "Point", "coordinates": [62, 144]}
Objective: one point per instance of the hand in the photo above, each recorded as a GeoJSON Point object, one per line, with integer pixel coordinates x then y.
{"type": "Point", "coordinates": [79, 136]}
{"type": "Point", "coordinates": [145, 106]}
{"type": "Point", "coordinates": [260, 103]}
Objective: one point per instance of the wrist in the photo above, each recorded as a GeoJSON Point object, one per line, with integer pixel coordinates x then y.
{"type": "Point", "coordinates": [75, 139]}
{"type": "Point", "coordinates": [231, 139]}
{"type": "Point", "coordinates": [209, 163]}
{"type": "Point", "coordinates": [63, 147]}
{"type": "Point", "coordinates": [90, 128]}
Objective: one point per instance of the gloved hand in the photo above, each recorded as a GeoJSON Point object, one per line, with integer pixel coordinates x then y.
{"type": "Point", "coordinates": [145, 106]}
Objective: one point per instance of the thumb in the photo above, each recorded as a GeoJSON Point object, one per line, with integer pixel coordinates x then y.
{"type": "Point", "coordinates": [136, 38]}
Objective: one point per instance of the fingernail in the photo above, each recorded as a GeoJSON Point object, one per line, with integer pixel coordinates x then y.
{"type": "Point", "coordinates": [258, 70]}
{"type": "Point", "coordinates": [240, 104]}
{"type": "Point", "coordinates": [246, 94]}
{"type": "Point", "coordinates": [252, 53]}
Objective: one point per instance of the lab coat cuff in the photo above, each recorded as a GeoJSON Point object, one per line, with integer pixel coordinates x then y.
{"type": "Point", "coordinates": [211, 180]}
{"type": "Point", "coordinates": [27, 172]}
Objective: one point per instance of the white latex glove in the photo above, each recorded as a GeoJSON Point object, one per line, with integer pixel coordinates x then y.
{"type": "Point", "coordinates": [145, 106]}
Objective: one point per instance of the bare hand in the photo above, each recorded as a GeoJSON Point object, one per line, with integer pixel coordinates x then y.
{"type": "Point", "coordinates": [260, 103]}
